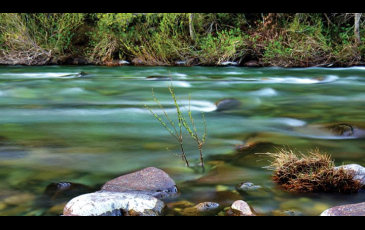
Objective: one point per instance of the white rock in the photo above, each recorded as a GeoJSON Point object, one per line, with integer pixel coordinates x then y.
{"type": "Point", "coordinates": [228, 63]}
{"type": "Point", "coordinates": [359, 172]}
{"type": "Point", "coordinates": [240, 208]}
{"type": "Point", "coordinates": [113, 203]}
{"type": "Point", "coordinates": [123, 62]}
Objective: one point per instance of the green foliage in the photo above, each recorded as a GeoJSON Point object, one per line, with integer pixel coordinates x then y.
{"type": "Point", "coordinates": [275, 39]}
{"type": "Point", "coordinates": [177, 131]}
{"type": "Point", "coordinates": [30, 35]}
{"type": "Point", "coordinates": [225, 46]}
{"type": "Point", "coordinates": [302, 45]}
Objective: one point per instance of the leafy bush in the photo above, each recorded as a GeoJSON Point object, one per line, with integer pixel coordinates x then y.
{"type": "Point", "coordinates": [225, 46]}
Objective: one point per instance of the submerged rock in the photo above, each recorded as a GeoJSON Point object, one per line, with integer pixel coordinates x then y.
{"type": "Point", "coordinates": [150, 181]}
{"type": "Point", "coordinates": [65, 190]}
{"type": "Point", "coordinates": [206, 206]}
{"type": "Point", "coordinates": [287, 213]}
{"type": "Point", "coordinates": [247, 186]}
{"type": "Point", "coordinates": [240, 208]}
{"type": "Point", "coordinates": [346, 210]}
{"type": "Point", "coordinates": [250, 149]}
{"type": "Point", "coordinates": [341, 130]}
{"type": "Point", "coordinates": [114, 204]}
{"type": "Point", "coordinates": [77, 75]}
{"type": "Point", "coordinates": [159, 78]}
{"type": "Point", "coordinates": [358, 170]}
{"type": "Point", "coordinates": [227, 104]}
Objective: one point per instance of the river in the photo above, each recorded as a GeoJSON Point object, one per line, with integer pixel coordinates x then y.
{"type": "Point", "coordinates": [58, 126]}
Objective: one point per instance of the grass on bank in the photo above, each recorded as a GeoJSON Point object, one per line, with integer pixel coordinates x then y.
{"type": "Point", "coordinates": [313, 172]}
{"type": "Point", "coordinates": [272, 39]}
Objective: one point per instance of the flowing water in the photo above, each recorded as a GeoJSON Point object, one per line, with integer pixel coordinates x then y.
{"type": "Point", "coordinates": [57, 125]}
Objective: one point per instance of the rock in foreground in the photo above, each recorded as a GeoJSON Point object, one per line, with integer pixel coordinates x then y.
{"type": "Point", "coordinates": [346, 210]}
{"type": "Point", "coordinates": [149, 181]}
{"type": "Point", "coordinates": [240, 208]}
{"type": "Point", "coordinates": [113, 204]}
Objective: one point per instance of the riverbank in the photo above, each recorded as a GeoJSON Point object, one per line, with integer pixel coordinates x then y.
{"type": "Point", "coordinates": [183, 39]}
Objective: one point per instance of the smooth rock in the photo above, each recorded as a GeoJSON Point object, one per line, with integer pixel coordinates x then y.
{"type": "Point", "coordinates": [180, 63]}
{"type": "Point", "coordinates": [287, 213]}
{"type": "Point", "coordinates": [341, 130]}
{"type": "Point", "coordinates": [247, 186]}
{"type": "Point", "coordinates": [124, 62]}
{"type": "Point", "coordinates": [346, 210]}
{"type": "Point", "coordinates": [113, 204]}
{"type": "Point", "coordinates": [150, 181]}
{"type": "Point", "coordinates": [229, 63]}
{"type": "Point", "coordinates": [227, 104]}
{"type": "Point", "coordinates": [206, 206]}
{"type": "Point", "coordinates": [240, 208]}
{"type": "Point", "coordinates": [359, 172]}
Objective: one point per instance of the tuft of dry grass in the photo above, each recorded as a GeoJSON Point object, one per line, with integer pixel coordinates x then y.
{"type": "Point", "coordinates": [314, 172]}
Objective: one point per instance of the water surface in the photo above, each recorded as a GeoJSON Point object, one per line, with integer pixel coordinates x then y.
{"type": "Point", "coordinates": [57, 126]}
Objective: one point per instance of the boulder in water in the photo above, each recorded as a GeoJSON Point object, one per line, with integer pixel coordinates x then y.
{"type": "Point", "coordinates": [341, 130]}
{"type": "Point", "coordinates": [227, 104]}
{"type": "Point", "coordinates": [114, 204]}
{"type": "Point", "coordinates": [346, 210]}
{"type": "Point", "coordinates": [150, 181]}
{"type": "Point", "coordinates": [240, 208]}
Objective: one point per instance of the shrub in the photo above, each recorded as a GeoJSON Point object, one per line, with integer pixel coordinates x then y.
{"type": "Point", "coordinates": [314, 172]}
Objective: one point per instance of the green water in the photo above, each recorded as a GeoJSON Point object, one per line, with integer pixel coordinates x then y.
{"type": "Point", "coordinates": [91, 129]}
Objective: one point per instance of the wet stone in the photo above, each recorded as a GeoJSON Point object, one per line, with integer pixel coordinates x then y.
{"type": "Point", "coordinates": [287, 213]}
{"type": "Point", "coordinates": [240, 208]}
{"type": "Point", "coordinates": [150, 181]}
{"type": "Point", "coordinates": [112, 204]}
{"type": "Point", "coordinates": [247, 186]}
{"type": "Point", "coordinates": [227, 104]}
{"type": "Point", "coordinates": [341, 130]}
{"type": "Point", "coordinates": [346, 210]}
{"type": "Point", "coordinates": [207, 206]}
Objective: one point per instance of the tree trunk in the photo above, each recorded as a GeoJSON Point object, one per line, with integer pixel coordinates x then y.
{"type": "Point", "coordinates": [191, 28]}
{"type": "Point", "coordinates": [357, 28]}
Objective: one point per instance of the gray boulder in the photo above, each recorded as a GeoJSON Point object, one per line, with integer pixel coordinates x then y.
{"type": "Point", "coordinates": [346, 210]}
{"type": "Point", "coordinates": [114, 204]}
{"type": "Point", "coordinates": [149, 181]}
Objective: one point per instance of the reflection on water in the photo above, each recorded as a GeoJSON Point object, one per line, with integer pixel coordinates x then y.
{"type": "Point", "coordinates": [57, 126]}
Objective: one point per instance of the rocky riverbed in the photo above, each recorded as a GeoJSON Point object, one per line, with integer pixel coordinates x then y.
{"type": "Point", "coordinates": [152, 192]}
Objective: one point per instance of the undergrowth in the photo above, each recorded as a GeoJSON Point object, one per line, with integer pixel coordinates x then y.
{"type": "Point", "coordinates": [313, 172]}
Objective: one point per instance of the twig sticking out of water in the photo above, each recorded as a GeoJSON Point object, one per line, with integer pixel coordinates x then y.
{"type": "Point", "coordinates": [177, 132]}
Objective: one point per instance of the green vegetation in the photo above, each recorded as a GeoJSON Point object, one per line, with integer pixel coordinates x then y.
{"type": "Point", "coordinates": [314, 172]}
{"type": "Point", "coordinates": [271, 39]}
{"type": "Point", "coordinates": [177, 132]}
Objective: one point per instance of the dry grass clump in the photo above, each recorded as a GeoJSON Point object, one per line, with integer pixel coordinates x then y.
{"type": "Point", "coordinates": [314, 172]}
